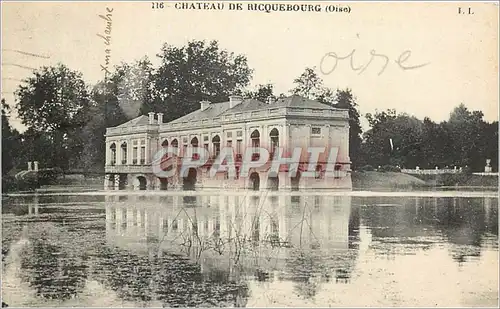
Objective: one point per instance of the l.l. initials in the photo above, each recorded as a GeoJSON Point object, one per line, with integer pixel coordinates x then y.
{"type": "Point", "coordinates": [468, 12]}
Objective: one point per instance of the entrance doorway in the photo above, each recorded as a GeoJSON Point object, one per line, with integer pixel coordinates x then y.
{"type": "Point", "coordinates": [295, 182]}
{"type": "Point", "coordinates": [142, 182]}
{"type": "Point", "coordinates": [273, 183]}
{"type": "Point", "coordinates": [255, 181]}
{"type": "Point", "coordinates": [189, 181]}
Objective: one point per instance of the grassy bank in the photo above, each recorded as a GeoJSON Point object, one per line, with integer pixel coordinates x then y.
{"type": "Point", "coordinates": [33, 183]}
{"type": "Point", "coordinates": [462, 180]}
{"type": "Point", "coordinates": [371, 180]}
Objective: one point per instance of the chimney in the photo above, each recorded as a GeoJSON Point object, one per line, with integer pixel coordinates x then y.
{"type": "Point", "coordinates": [151, 117]}
{"type": "Point", "coordinates": [36, 166]}
{"type": "Point", "coordinates": [270, 100]}
{"type": "Point", "coordinates": [235, 100]}
{"type": "Point", "coordinates": [29, 166]}
{"type": "Point", "coordinates": [160, 118]}
{"type": "Point", "coordinates": [204, 105]}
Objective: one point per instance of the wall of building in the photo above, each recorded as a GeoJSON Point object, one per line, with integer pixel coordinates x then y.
{"type": "Point", "coordinates": [297, 132]}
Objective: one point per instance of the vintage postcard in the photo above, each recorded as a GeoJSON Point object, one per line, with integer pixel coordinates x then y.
{"type": "Point", "coordinates": [249, 154]}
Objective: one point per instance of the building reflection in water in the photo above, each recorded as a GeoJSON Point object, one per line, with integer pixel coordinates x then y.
{"type": "Point", "coordinates": [304, 239]}
{"type": "Point", "coordinates": [229, 247]}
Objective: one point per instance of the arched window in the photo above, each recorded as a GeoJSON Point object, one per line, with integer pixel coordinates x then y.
{"type": "Point", "coordinates": [274, 137]}
{"type": "Point", "coordinates": [175, 144]}
{"type": "Point", "coordinates": [165, 143]}
{"type": "Point", "coordinates": [216, 145]}
{"type": "Point", "coordinates": [113, 153]}
{"type": "Point", "coordinates": [124, 152]}
{"type": "Point", "coordinates": [255, 137]}
{"type": "Point", "coordinates": [194, 145]}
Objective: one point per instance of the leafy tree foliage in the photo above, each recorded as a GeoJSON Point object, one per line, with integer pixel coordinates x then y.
{"type": "Point", "coordinates": [262, 93]}
{"type": "Point", "coordinates": [195, 72]}
{"type": "Point", "coordinates": [403, 130]}
{"type": "Point", "coordinates": [465, 140]}
{"type": "Point", "coordinates": [55, 101]}
{"type": "Point", "coordinates": [10, 141]}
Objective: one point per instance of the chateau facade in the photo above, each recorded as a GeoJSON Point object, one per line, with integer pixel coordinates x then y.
{"type": "Point", "coordinates": [288, 124]}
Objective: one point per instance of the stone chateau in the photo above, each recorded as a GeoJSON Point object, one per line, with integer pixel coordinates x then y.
{"type": "Point", "coordinates": [239, 123]}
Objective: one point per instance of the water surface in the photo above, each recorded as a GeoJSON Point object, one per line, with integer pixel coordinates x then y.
{"type": "Point", "coordinates": [251, 250]}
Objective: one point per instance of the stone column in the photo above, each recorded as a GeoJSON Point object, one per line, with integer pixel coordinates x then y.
{"type": "Point", "coordinates": [129, 151]}
{"type": "Point", "coordinates": [29, 166]}
{"type": "Point", "coordinates": [264, 137]}
{"type": "Point", "coordinates": [147, 159]}
{"type": "Point", "coordinates": [285, 137]}
{"type": "Point", "coordinates": [345, 136]}
{"type": "Point", "coordinates": [329, 137]}
{"type": "Point", "coordinates": [106, 182]}
{"type": "Point", "coordinates": [36, 166]}
{"type": "Point", "coordinates": [108, 154]}
{"type": "Point", "coordinates": [119, 153]}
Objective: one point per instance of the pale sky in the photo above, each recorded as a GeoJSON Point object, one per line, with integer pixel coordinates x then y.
{"type": "Point", "coordinates": [461, 49]}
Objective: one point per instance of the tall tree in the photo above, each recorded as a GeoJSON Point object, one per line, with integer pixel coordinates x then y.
{"type": "Point", "coordinates": [308, 84]}
{"type": "Point", "coordinates": [10, 141]}
{"type": "Point", "coordinates": [465, 130]}
{"type": "Point", "coordinates": [134, 87]}
{"type": "Point", "coordinates": [394, 139]}
{"type": "Point", "coordinates": [55, 101]}
{"type": "Point", "coordinates": [345, 99]}
{"type": "Point", "coordinates": [261, 93]}
{"type": "Point", "coordinates": [195, 72]}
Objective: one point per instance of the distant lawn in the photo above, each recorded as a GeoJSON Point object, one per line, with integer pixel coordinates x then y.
{"type": "Point", "coordinates": [385, 180]}
{"type": "Point", "coordinates": [395, 180]}
{"type": "Point", "coordinates": [463, 180]}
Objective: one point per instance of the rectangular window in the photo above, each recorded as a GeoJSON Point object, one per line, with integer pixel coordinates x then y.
{"type": "Point", "coordinates": [229, 134]}
{"type": "Point", "coordinates": [216, 148]}
{"type": "Point", "coordinates": [238, 146]}
{"type": "Point", "coordinates": [205, 138]}
{"type": "Point", "coordinates": [134, 155]}
{"type": "Point", "coordinates": [315, 131]}
{"type": "Point", "coordinates": [229, 143]}
{"type": "Point", "coordinates": [143, 155]}
{"type": "Point", "coordinates": [143, 142]}
{"type": "Point", "coordinates": [239, 133]}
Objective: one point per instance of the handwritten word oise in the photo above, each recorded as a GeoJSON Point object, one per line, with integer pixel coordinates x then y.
{"type": "Point", "coordinates": [107, 39]}
{"type": "Point", "coordinates": [400, 61]}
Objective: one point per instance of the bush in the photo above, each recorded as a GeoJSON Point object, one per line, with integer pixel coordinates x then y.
{"type": "Point", "coordinates": [389, 168]}
{"type": "Point", "coordinates": [367, 168]}
{"type": "Point", "coordinates": [49, 176]}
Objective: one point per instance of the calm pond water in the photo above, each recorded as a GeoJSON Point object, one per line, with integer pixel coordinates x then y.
{"type": "Point", "coordinates": [253, 251]}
